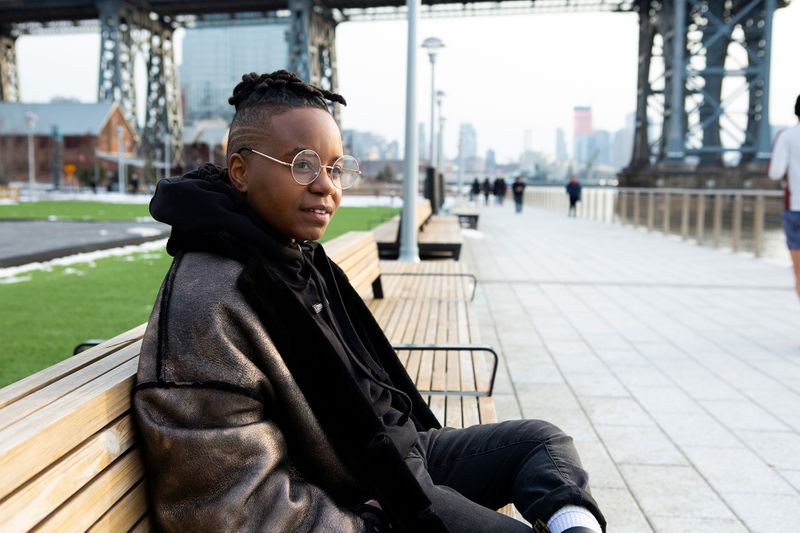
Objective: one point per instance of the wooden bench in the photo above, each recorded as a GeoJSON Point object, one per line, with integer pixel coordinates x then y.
{"type": "Point", "coordinates": [468, 218]}
{"type": "Point", "coordinates": [69, 459]}
{"type": "Point", "coordinates": [439, 235]}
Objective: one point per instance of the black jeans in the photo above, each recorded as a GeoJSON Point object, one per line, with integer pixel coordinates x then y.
{"type": "Point", "coordinates": [468, 473]}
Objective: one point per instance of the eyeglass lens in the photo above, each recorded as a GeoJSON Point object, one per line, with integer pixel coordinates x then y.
{"type": "Point", "coordinates": [306, 167]}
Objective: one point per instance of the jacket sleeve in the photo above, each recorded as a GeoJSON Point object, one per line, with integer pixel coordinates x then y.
{"type": "Point", "coordinates": [216, 463]}
{"type": "Point", "coordinates": [779, 161]}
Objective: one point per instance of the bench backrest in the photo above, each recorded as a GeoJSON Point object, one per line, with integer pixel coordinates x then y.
{"type": "Point", "coordinates": [67, 453]}
{"type": "Point", "coordinates": [356, 252]}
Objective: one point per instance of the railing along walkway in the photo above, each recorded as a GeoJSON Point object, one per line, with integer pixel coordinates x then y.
{"type": "Point", "coordinates": [675, 367]}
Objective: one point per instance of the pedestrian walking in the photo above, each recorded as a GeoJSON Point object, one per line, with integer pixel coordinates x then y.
{"type": "Point", "coordinates": [785, 164]}
{"type": "Point", "coordinates": [487, 190]}
{"type": "Point", "coordinates": [518, 190]}
{"type": "Point", "coordinates": [475, 190]}
{"type": "Point", "coordinates": [499, 189]}
{"type": "Point", "coordinates": [574, 193]}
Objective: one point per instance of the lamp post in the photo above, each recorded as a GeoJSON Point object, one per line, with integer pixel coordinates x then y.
{"type": "Point", "coordinates": [432, 45]}
{"type": "Point", "coordinates": [31, 119]}
{"type": "Point", "coordinates": [440, 138]}
{"type": "Point", "coordinates": [409, 250]}
{"type": "Point", "coordinates": [120, 159]}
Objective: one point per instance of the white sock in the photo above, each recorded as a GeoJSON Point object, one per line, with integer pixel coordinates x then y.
{"type": "Point", "coordinates": [572, 516]}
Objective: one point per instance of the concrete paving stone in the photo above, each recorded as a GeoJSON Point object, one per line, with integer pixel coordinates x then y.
{"type": "Point", "coordinates": [584, 363]}
{"type": "Point", "coordinates": [639, 445]}
{"type": "Point", "coordinates": [695, 429]}
{"type": "Point", "coordinates": [737, 470]}
{"type": "Point", "coordinates": [658, 350]}
{"type": "Point", "coordinates": [615, 411]}
{"type": "Point", "coordinates": [776, 448]}
{"type": "Point", "coordinates": [743, 415]}
{"type": "Point", "coordinates": [792, 476]}
{"type": "Point", "coordinates": [596, 461]}
{"type": "Point", "coordinates": [674, 524]}
{"type": "Point", "coordinates": [619, 357]}
{"type": "Point", "coordinates": [632, 376]}
{"type": "Point", "coordinates": [622, 513]}
{"type": "Point", "coordinates": [605, 341]}
{"type": "Point", "coordinates": [506, 406]}
{"type": "Point", "coordinates": [766, 513]}
{"type": "Point", "coordinates": [535, 373]}
{"type": "Point", "coordinates": [576, 347]}
{"type": "Point", "coordinates": [664, 399]}
{"type": "Point", "coordinates": [674, 491]}
{"type": "Point", "coordinates": [518, 353]}
{"type": "Point", "coordinates": [596, 384]}
{"type": "Point", "coordinates": [704, 386]}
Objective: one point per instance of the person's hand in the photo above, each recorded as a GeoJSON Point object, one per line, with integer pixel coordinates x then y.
{"type": "Point", "coordinates": [373, 516]}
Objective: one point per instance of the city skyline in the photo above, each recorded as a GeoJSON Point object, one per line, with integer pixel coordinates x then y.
{"type": "Point", "coordinates": [491, 69]}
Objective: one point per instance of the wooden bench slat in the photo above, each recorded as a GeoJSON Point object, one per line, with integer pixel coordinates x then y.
{"type": "Point", "coordinates": [62, 425]}
{"type": "Point", "coordinates": [26, 405]}
{"type": "Point", "coordinates": [35, 500]}
{"type": "Point", "coordinates": [126, 513]}
{"type": "Point", "coordinates": [51, 374]}
{"type": "Point", "coordinates": [92, 502]}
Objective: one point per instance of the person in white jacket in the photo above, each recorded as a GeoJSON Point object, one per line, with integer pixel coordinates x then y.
{"type": "Point", "coordinates": [785, 163]}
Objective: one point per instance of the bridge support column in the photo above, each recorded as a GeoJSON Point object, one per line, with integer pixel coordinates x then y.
{"type": "Point", "coordinates": [312, 46]}
{"type": "Point", "coordinates": [115, 82]}
{"type": "Point", "coordinates": [703, 45]}
{"type": "Point", "coordinates": [164, 121]}
{"type": "Point", "coordinates": [9, 81]}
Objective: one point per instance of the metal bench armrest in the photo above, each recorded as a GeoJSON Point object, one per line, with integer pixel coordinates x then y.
{"type": "Point", "coordinates": [441, 275]}
{"type": "Point", "coordinates": [453, 348]}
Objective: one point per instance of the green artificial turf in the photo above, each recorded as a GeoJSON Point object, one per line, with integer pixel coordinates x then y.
{"type": "Point", "coordinates": [75, 210]}
{"type": "Point", "coordinates": [44, 317]}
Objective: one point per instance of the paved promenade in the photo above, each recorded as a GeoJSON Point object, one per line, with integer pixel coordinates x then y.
{"type": "Point", "coordinates": [676, 368]}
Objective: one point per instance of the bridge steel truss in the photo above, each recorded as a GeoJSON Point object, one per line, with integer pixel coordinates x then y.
{"type": "Point", "coordinates": [126, 29]}
{"type": "Point", "coordinates": [703, 82]}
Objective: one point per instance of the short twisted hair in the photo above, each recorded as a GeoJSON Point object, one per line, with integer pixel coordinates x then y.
{"type": "Point", "coordinates": [259, 96]}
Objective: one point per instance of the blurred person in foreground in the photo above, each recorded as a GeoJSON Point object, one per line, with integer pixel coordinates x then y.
{"type": "Point", "coordinates": [785, 164]}
{"type": "Point", "coordinates": [574, 193]}
{"type": "Point", "coordinates": [268, 398]}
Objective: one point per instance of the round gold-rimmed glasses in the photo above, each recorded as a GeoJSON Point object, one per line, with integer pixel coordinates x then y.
{"type": "Point", "coordinates": [307, 165]}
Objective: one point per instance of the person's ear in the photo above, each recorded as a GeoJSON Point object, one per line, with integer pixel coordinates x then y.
{"type": "Point", "coordinates": [237, 171]}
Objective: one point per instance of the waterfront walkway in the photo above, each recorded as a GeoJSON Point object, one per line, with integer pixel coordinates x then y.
{"type": "Point", "coordinates": [676, 368]}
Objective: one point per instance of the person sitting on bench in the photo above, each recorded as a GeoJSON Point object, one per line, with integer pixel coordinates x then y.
{"type": "Point", "coordinates": [267, 396]}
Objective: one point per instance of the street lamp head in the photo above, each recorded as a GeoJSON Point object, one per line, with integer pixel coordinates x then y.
{"type": "Point", "coordinates": [432, 45]}
{"type": "Point", "coordinates": [31, 118]}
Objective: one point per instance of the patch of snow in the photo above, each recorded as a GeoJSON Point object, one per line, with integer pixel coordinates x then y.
{"type": "Point", "coordinates": [15, 279]}
{"type": "Point", "coordinates": [143, 231]}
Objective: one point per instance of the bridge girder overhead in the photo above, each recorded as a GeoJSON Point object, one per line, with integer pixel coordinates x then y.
{"type": "Point", "coordinates": [312, 46]}
{"type": "Point", "coordinates": [725, 54]}
{"type": "Point", "coordinates": [163, 127]}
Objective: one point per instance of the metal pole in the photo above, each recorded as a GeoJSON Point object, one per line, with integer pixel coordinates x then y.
{"type": "Point", "coordinates": [167, 155]}
{"type": "Point", "coordinates": [764, 133]}
{"type": "Point", "coordinates": [737, 222]}
{"type": "Point", "coordinates": [433, 103]}
{"type": "Point", "coordinates": [700, 222]}
{"type": "Point", "coordinates": [717, 219]}
{"type": "Point", "coordinates": [460, 165]}
{"type": "Point", "coordinates": [409, 251]}
{"type": "Point", "coordinates": [758, 226]}
{"type": "Point", "coordinates": [120, 161]}
{"type": "Point", "coordinates": [675, 146]}
{"type": "Point", "coordinates": [31, 118]}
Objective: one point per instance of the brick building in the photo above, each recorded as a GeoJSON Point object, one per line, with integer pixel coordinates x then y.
{"type": "Point", "coordinates": [75, 136]}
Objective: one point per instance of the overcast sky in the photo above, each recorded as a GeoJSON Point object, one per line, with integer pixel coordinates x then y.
{"type": "Point", "coordinates": [503, 74]}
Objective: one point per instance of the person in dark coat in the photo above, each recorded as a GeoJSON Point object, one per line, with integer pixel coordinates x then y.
{"type": "Point", "coordinates": [487, 190]}
{"type": "Point", "coordinates": [267, 396]}
{"type": "Point", "coordinates": [499, 190]}
{"type": "Point", "coordinates": [475, 190]}
{"type": "Point", "coordinates": [518, 190]}
{"type": "Point", "coordinates": [574, 193]}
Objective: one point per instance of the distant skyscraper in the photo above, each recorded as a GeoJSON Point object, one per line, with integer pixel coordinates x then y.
{"type": "Point", "coordinates": [468, 147]}
{"type": "Point", "coordinates": [561, 146]}
{"type": "Point", "coordinates": [214, 60]}
{"type": "Point", "coordinates": [527, 140]}
{"type": "Point", "coordinates": [491, 161]}
{"type": "Point", "coordinates": [582, 131]}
